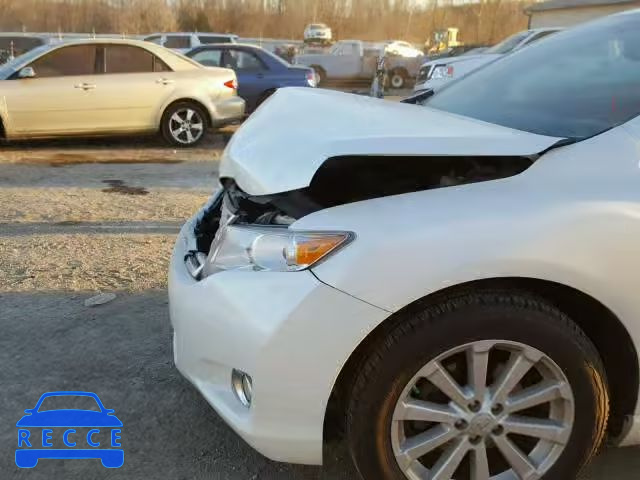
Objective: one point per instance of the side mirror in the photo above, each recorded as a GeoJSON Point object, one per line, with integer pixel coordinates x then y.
{"type": "Point", "coordinates": [27, 72]}
{"type": "Point", "coordinates": [29, 410]}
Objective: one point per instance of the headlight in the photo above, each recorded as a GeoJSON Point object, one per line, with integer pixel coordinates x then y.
{"type": "Point", "coordinates": [441, 72]}
{"type": "Point", "coordinates": [272, 249]}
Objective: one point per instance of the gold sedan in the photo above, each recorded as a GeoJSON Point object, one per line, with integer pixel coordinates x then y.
{"type": "Point", "coordinates": [106, 87]}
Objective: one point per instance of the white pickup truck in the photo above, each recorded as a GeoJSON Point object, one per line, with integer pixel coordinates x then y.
{"type": "Point", "coordinates": [356, 60]}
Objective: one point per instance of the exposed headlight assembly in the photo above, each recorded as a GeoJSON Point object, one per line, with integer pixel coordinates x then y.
{"type": "Point", "coordinates": [275, 249]}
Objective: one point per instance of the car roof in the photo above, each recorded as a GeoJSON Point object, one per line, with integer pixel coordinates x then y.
{"type": "Point", "coordinates": [228, 45]}
{"type": "Point", "coordinates": [193, 33]}
{"type": "Point", "coordinates": [103, 40]}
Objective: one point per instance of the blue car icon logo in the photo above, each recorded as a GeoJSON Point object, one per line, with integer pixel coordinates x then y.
{"type": "Point", "coordinates": [88, 431]}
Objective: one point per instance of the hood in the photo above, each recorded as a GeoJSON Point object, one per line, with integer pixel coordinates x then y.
{"type": "Point", "coordinates": [293, 133]}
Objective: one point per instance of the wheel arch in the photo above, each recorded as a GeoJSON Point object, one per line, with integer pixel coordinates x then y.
{"type": "Point", "coordinates": [186, 100]}
{"type": "Point", "coordinates": [601, 325]}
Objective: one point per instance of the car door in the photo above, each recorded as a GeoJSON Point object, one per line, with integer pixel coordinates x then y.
{"type": "Point", "coordinates": [133, 88]}
{"type": "Point", "coordinates": [252, 73]}
{"type": "Point", "coordinates": [60, 99]}
{"type": "Point", "coordinates": [346, 61]}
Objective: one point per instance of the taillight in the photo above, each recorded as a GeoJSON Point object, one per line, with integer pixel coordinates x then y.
{"type": "Point", "coordinates": [232, 84]}
{"type": "Point", "coordinates": [311, 79]}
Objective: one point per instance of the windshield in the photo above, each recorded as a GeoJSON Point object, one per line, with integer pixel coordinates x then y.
{"type": "Point", "coordinates": [574, 84]}
{"type": "Point", "coordinates": [509, 44]}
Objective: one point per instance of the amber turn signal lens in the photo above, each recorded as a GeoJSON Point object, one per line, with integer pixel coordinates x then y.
{"type": "Point", "coordinates": [308, 250]}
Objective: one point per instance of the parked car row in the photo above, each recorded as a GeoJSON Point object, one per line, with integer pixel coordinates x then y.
{"type": "Point", "coordinates": [112, 86]}
{"type": "Point", "coordinates": [450, 281]}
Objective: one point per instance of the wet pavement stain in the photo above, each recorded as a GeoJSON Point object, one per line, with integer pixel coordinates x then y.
{"type": "Point", "coordinates": [118, 186]}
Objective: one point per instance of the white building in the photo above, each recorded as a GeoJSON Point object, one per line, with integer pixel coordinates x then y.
{"type": "Point", "coordinates": [565, 13]}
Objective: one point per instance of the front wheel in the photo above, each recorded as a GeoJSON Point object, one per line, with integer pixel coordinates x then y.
{"type": "Point", "coordinates": [489, 386]}
{"type": "Point", "coordinates": [184, 124]}
{"type": "Point", "coordinates": [398, 78]}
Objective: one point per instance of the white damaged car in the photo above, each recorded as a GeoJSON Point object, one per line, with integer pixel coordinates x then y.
{"type": "Point", "coordinates": [455, 282]}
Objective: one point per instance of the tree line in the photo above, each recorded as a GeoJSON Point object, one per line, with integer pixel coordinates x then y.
{"type": "Point", "coordinates": [484, 21]}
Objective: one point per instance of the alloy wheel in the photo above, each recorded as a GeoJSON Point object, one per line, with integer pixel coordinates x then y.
{"type": "Point", "coordinates": [186, 126]}
{"type": "Point", "coordinates": [488, 410]}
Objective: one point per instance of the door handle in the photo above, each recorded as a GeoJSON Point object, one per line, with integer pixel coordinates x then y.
{"type": "Point", "coordinates": [85, 86]}
{"type": "Point", "coordinates": [164, 81]}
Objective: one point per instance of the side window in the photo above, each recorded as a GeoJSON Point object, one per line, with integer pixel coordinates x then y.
{"type": "Point", "coordinates": [128, 59]}
{"type": "Point", "coordinates": [67, 61]}
{"type": "Point", "coordinates": [346, 49]}
{"type": "Point", "coordinates": [241, 60]}
{"type": "Point", "coordinates": [178, 41]}
{"type": "Point", "coordinates": [208, 39]}
{"type": "Point", "coordinates": [210, 58]}
{"type": "Point", "coordinates": [157, 39]}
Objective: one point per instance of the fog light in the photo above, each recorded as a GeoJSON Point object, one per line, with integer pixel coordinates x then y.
{"type": "Point", "coordinates": [241, 386]}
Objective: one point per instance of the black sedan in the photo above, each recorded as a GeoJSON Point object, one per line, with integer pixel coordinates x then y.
{"type": "Point", "coordinates": [260, 73]}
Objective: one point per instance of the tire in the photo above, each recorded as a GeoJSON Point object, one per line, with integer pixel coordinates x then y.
{"type": "Point", "coordinates": [190, 114]}
{"type": "Point", "coordinates": [321, 75]}
{"type": "Point", "coordinates": [398, 78]}
{"type": "Point", "coordinates": [418, 340]}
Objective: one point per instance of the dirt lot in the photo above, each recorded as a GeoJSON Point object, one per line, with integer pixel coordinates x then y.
{"type": "Point", "coordinates": [80, 218]}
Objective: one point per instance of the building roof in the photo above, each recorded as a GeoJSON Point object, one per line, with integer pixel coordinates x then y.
{"type": "Point", "coordinates": [559, 4]}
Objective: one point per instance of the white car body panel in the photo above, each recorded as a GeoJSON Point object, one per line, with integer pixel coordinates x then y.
{"type": "Point", "coordinates": [293, 332]}
{"type": "Point", "coordinates": [360, 125]}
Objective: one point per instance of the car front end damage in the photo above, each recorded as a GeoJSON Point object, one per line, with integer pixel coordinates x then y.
{"type": "Point", "coordinates": [257, 331]}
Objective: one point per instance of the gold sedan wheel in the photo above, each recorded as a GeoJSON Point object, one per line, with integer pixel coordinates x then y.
{"type": "Point", "coordinates": [184, 125]}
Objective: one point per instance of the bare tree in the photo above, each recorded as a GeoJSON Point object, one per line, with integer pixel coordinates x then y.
{"type": "Point", "coordinates": [483, 21]}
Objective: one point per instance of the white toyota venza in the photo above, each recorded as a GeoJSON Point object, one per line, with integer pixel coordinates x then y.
{"type": "Point", "coordinates": [455, 283]}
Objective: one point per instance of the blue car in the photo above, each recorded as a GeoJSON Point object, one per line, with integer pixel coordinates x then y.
{"type": "Point", "coordinates": [260, 73]}
{"type": "Point", "coordinates": [44, 429]}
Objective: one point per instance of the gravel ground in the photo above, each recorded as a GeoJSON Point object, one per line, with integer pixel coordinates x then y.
{"type": "Point", "coordinates": [62, 240]}
{"type": "Point", "coordinates": [92, 205]}
{"type": "Point", "coordinates": [81, 262]}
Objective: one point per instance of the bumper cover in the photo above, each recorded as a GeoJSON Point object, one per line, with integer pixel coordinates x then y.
{"type": "Point", "coordinates": [289, 331]}
{"type": "Point", "coordinates": [227, 111]}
